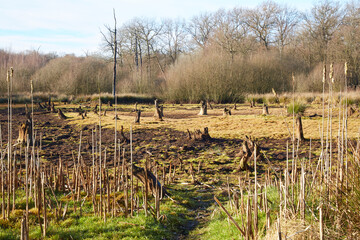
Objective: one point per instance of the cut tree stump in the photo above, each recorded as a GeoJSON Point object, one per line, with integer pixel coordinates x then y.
{"type": "Point", "coordinates": [204, 136]}
{"type": "Point", "coordinates": [189, 134]}
{"type": "Point", "coordinates": [235, 108]}
{"type": "Point", "coordinates": [52, 107]}
{"type": "Point", "coordinates": [350, 111]}
{"type": "Point", "coordinates": [247, 154]}
{"type": "Point", "coordinates": [203, 108]}
{"type": "Point", "coordinates": [123, 138]}
{"type": "Point", "coordinates": [79, 110]}
{"type": "Point", "coordinates": [265, 110]}
{"type": "Point", "coordinates": [159, 111]}
{"type": "Point", "coordinates": [252, 103]}
{"type": "Point", "coordinates": [61, 114]}
{"type": "Point", "coordinates": [25, 132]}
{"type": "Point", "coordinates": [137, 116]}
{"type": "Point", "coordinates": [226, 112]}
{"type": "Point", "coordinates": [299, 129]}
{"type": "Point", "coordinates": [95, 109]}
{"type": "Point", "coordinates": [152, 181]}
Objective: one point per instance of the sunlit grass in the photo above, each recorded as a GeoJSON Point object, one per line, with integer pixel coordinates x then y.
{"type": "Point", "coordinates": [242, 122]}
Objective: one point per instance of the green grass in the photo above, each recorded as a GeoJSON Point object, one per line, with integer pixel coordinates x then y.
{"type": "Point", "coordinates": [219, 227]}
{"type": "Point", "coordinates": [297, 108]}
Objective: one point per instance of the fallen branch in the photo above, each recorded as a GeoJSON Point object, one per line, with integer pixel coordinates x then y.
{"type": "Point", "coordinates": [230, 217]}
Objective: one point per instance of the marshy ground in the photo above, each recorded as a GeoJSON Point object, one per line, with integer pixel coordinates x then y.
{"type": "Point", "coordinates": [190, 213]}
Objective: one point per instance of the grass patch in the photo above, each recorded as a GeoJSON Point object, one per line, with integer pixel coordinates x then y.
{"type": "Point", "coordinates": [297, 108]}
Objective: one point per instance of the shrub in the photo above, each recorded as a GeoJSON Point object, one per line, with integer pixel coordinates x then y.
{"type": "Point", "coordinates": [297, 108]}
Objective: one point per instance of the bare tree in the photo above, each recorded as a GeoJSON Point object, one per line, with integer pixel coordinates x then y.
{"type": "Point", "coordinates": [174, 38]}
{"type": "Point", "coordinates": [231, 31]}
{"type": "Point", "coordinates": [112, 44]}
{"type": "Point", "coordinates": [321, 24]}
{"type": "Point", "coordinates": [261, 21]}
{"type": "Point", "coordinates": [201, 28]}
{"type": "Point", "coordinates": [286, 21]}
{"type": "Point", "coordinates": [148, 30]}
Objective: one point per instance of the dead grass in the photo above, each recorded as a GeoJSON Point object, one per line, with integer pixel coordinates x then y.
{"type": "Point", "coordinates": [242, 122]}
{"type": "Point", "coordinates": [293, 229]}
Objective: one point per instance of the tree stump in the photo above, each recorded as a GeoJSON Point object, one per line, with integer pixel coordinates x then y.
{"type": "Point", "coordinates": [25, 132]}
{"type": "Point", "coordinates": [204, 136]}
{"type": "Point", "coordinates": [252, 103]}
{"type": "Point", "coordinates": [159, 111]}
{"type": "Point", "coordinates": [137, 116]}
{"type": "Point", "coordinates": [80, 111]}
{"type": "Point", "coordinates": [299, 129]}
{"type": "Point", "coordinates": [188, 134]}
{"type": "Point", "coordinates": [162, 111]}
{"type": "Point", "coordinates": [123, 138]}
{"type": "Point", "coordinates": [350, 111]}
{"type": "Point", "coordinates": [235, 108]}
{"type": "Point", "coordinates": [203, 109]}
{"type": "Point", "coordinates": [265, 110]}
{"type": "Point", "coordinates": [52, 108]}
{"type": "Point", "coordinates": [61, 114]}
{"type": "Point", "coordinates": [247, 153]}
{"type": "Point", "coordinates": [158, 114]}
{"type": "Point", "coordinates": [226, 112]}
{"type": "Point", "coordinates": [95, 109]}
{"type": "Point", "coordinates": [27, 112]}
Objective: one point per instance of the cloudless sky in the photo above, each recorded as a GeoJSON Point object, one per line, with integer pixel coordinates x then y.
{"type": "Point", "coordinates": [73, 26]}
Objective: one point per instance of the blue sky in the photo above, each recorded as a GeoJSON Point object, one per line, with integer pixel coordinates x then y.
{"type": "Point", "coordinates": [73, 26]}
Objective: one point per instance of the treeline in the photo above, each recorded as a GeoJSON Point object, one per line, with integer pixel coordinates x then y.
{"type": "Point", "coordinates": [217, 56]}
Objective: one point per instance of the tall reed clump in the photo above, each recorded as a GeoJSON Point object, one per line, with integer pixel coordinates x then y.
{"type": "Point", "coordinates": [297, 108]}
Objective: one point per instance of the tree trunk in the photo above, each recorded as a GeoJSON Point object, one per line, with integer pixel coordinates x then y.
{"type": "Point", "coordinates": [265, 110]}
{"type": "Point", "coordinates": [123, 138]}
{"type": "Point", "coordinates": [25, 132]}
{"type": "Point", "coordinates": [350, 111]}
{"type": "Point", "coordinates": [226, 112]}
{"type": "Point", "coordinates": [203, 109]}
{"type": "Point", "coordinates": [158, 114]}
{"type": "Point", "coordinates": [209, 105]}
{"type": "Point", "coordinates": [246, 154]}
{"type": "Point", "coordinates": [235, 108]}
{"type": "Point", "coordinates": [299, 129]}
{"type": "Point", "coordinates": [198, 135]}
{"type": "Point", "coordinates": [137, 116]}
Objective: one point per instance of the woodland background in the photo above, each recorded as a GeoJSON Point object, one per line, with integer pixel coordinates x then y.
{"type": "Point", "coordinates": [218, 56]}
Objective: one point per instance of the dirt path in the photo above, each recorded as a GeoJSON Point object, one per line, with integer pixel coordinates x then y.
{"type": "Point", "coordinates": [197, 199]}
